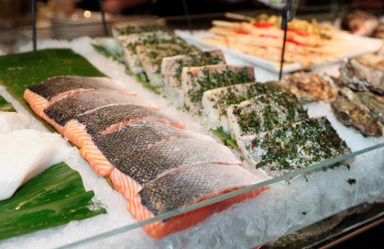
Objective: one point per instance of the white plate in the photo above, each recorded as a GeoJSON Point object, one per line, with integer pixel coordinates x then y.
{"type": "Point", "coordinates": [347, 45]}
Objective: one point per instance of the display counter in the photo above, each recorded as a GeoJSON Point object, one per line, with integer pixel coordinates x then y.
{"type": "Point", "coordinates": [270, 209]}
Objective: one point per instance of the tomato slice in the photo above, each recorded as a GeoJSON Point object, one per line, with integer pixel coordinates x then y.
{"type": "Point", "coordinates": [241, 32]}
{"type": "Point", "coordinates": [263, 24]}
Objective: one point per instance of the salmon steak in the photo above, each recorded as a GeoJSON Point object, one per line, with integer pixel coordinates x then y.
{"type": "Point", "coordinates": [64, 110]}
{"type": "Point", "coordinates": [58, 87]}
{"type": "Point", "coordinates": [106, 150]}
{"type": "Point", "coordinates": [107, 119]}
{"type": "Point", "coordinates": [187, 186]}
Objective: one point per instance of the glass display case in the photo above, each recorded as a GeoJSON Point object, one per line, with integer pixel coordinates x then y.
{"type": "Point", "coordinates": [305, 207]}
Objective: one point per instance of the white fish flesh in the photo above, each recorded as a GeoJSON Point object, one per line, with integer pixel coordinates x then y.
{"type": "Point", "coordinates": [24, 154]}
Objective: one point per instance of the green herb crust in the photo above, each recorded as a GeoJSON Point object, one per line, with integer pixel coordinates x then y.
{"type": "Point", "coordinates": [198, 59]}
{"type": "Point", "coordinates": [266, 112]}
{"type": "Point", "coordinates": [296, 146]}
{"type": "Point", "coordinates": [211, 80]}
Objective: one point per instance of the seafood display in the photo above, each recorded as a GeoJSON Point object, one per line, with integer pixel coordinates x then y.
{"type": "Point", "coordinates": [139, 149]}
{"type": "Point", "coordinates": [309, 87]}
{"type": "Point", "coordinates": [235, 105]}
{"type": "Point", "coordinates": [293, 146]}
{"type": "Point", "coordinates": [36, 151]}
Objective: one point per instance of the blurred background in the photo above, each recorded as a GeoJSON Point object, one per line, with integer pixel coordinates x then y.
{"type": "Point", "coordinates": [68, 19]}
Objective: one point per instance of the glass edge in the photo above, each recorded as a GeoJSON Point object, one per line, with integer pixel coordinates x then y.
{"type": "Point", "coordinates": [182, 210]}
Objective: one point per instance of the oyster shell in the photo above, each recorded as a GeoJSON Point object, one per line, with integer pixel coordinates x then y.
{"type": "Point", "coordinates": [353, 115]}
{"type": "Point", "coordinates": [374, 103]}
{"type": "Point", "coordinates": [309, 87]}
{"type": "Point", "coordinates": [362, 78]}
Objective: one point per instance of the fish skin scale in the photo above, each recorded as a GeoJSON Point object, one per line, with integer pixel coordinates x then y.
{"type": "Point", "coordinates": [129, 140]}
{"type": "Point", "coordinates": [59, 84]}
{"type": "Point", "coordinates": [99, 120]}
{"type": "Point", "coordinates": [69, 108]}
{"type": "Point", "coordinates": [149, 164]}
{"type": "Point", "coordinates": [190, 184]}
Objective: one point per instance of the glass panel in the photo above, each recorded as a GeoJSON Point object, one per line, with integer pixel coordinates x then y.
{"type": "Point", "coordinates": [290, 203]}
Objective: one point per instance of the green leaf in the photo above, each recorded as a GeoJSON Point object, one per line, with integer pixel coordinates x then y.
{"type": "Point", "coordinates": [52, 198]}
{"type": "Point", "coordinates": [225, 137]}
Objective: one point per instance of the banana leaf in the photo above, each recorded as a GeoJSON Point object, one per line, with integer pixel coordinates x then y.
{"type": "Point", "coordinates": [20, 71]}
{"type": "Point", "coordinates": [54, 197]}
{"type": "Point", "coordinates": [57, 195]}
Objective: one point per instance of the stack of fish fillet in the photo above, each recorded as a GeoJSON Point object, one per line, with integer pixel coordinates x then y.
{"type": "Point", "coordinates": [179, 70]}
{"type": "Point", "coordinates": [152, 160]}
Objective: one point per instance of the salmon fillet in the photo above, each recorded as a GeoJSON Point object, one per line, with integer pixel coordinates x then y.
{"type": "Point", "coordinates": [58, 87]}
{"type": "Point", "coordinates": [180, 188]}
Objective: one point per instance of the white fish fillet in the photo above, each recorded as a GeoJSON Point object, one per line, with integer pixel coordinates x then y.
{"type": "Point", "coordinates": [130, 57]}
{"type": "Point", "coordinates": [24, 154]}
{"type": "Point", "coordinates": [10, 121]}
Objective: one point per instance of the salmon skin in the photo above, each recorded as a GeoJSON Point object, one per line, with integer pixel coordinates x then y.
{"type": "Point", "coordinates": [69, 108]}
{"type": "Point", "coordinates": [102, 152]}
{"type": "Point", "coordinates": [187, 186]}
{"type": "Point", "coordinates": [105, 118]}
{"type": "Point", "coordinates": [54, 86]}
{"type": "Point", "coordinates": [137, 137]}
{"type": "Point", "coordinates": [150, 163]}
{"type": "Point", "coordinates": [110, 118]}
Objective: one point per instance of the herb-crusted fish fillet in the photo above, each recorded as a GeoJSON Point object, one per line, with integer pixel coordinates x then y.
{"type": "Point", "coordinates": [264, 113]}
{"type": "Point", "coordinates": [151, 56]}
{"type": "Point", "coordinates": [58, 87]}
{"type": "Point", "coordinates": [137, 29]}
{"type": "Point", "coordinates": [129, 43]}
{"type": "Point", "coordinates": [188, 186]}
{"type": "Point", "coordinates": [85, 127]}
{"type": "Point", "coordinates": [216, 101]}
{"type": "Point", "coordinates": [361, 78]}
{"type": "Point", "coordinates": [294, 146]}
{"type": "Point", "coordinates": [197, 80]}
{"type": "Point", "coordinates": [171, 67]}
{"type": "Point", "coordinates": [128, 141]}
{"type": "Point", "coordinates": [62, 111]}
{"type": "Point", "coordinates": [357, 116]}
